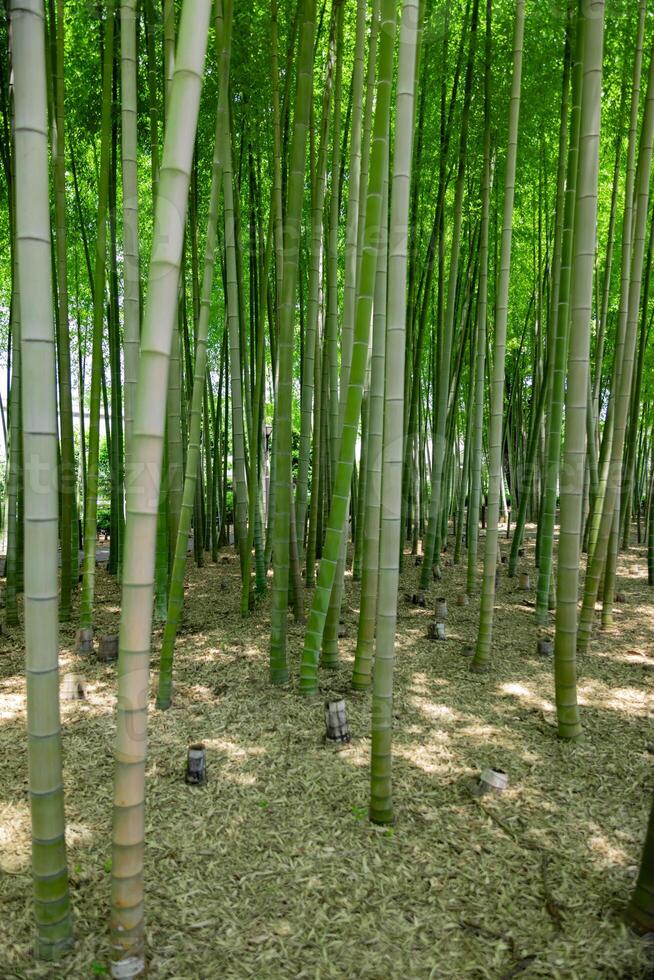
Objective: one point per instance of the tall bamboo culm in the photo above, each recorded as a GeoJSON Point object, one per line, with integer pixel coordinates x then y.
{"type": "Point", "coordinates": [127, 912]}
{"type": "Point", "coordinates": [591, 23]}
{"type": "Point", "coordinates": [49, 870]}
{"type": "Point", "coordinates": [176, 591]}
{"type": "Point", "coordinates": [482, 655]}
{"type": "Point", "coordinates": [336, 526]}
{"type": "Point", "coordinates": [131, 303]}
{"type": "Point", "coordinates": [281, 519]}
{"type": "Point", "coordinates": [85, 633]}
{"type": "Point", "coordinates": [381, 796]}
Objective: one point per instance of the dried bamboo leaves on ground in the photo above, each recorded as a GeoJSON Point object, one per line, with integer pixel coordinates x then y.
{"type": "Point", "coordinates": [273, 871]}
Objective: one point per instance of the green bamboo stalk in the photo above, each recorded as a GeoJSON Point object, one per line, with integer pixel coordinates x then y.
{"type": "Point", "coordinates": [597, 499]}
{"type": "Point", "coordinates": [254, 485]}
{"type": "Point", "coordinates": [281, 519]}
{"type": "Point", "coordinates": [68, 479]}
{"type": "Point", "coordinates": [49, 871]}
{"type": "Point", "coordinates": [351, 232]}
{"type": "Point", "coordinates": [640, 910]}
{"type": "Point", "coordinates": [559, 319]}
{"type": "Point", "coordinates": [365, 648]}
{"type": "Point", "coordinates": [610, 571]}
{"type": "Point", "coordinates": [117, 525]}
{"type": "Point", "coordinates": [234, 320]}
{"type": "Point", "coordinates": [343, 473]}
{"type": "Point", "coordinates": [432, 545]}
{"type": "Point", "coordinates": [223, 29]}
{"type": "Point", "coordinates": [635, 406]}
{"type": "Point", "coordinates": [315, 275]}
{"type": "Point", "coordinates": [152, 94]}
{"type": "Point", "coordinates": [131, 298]}
{"type": "Point", "coordinates": [623, 379]}
{"type": "Point", "coordinates": [650, 530]}
{"type": "Point", "coordinates": [603, 307]}
{"type": "Point", "coordinates": [481, 659]}
{"type": "Point", "coordinates": [127, 898]}
{"type": "Point", "coordinates": [591, 22]}
{"type": "Point", "coordinates": [173, 482]}
{"type": "Point", "coordinates": [330, 655]}
{"type": "Point", "coordinates": [358, 518]}
{"type": "Point", "coordinates": [381, 796]}
{"type": "Point", "coordinates": [316, 468]}
{"type": "Point", "coordinates": [13, 479]}
{"type": "Point", "coordinates": [482, 317]}
{"type": "Point", "coordinates": [276, 200]}
{"type": "Point", "coordinates": [85, 632]}
{"type": "Point", "coordinates": [421, 310]}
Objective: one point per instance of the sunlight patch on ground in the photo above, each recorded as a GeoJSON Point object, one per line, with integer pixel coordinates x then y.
{"type": "Point", "coordinates": [234, 751]}
{"type": "Point", "coordinates": [13, 706]}
{"type": "Point", "coordinates": [78, 834]}
{"type": "Point", "coordinates": [628, 700]}
{"type": "Point", "coordinates": [606, 852]}
{"type": "Point", "coordinates": [432, 710]}
{"type": "Point", "coordinates": [526, 696]}
{"type": "Point", "coordinates": [430, 757]}
{"type": "Point", "coordinates": [356, 752]}
{"type": "Point", "coordinates": [420, 683]}
{"type": "Point", "coordinates": [480, 732]}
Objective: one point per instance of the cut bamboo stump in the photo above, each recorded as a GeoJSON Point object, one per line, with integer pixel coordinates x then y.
{"type": "Point", "coordinates": [441, 609]}
{"type": "Point", "coordinates": [524, 581]}
{"type": "Point", "coordinates": [468, 650]}
{"type": "Point", "coordinates": [84, 641]}
{"type": "Point", "coordinates": [620, 597]}
{"type": "Point", "coordinates": [196, 765]}
{"type": "Point", "coordinates": [462, 599]}
{"type": "Point", "coordinates": [108, 648]}
{"type": "Point", "coordinates": [73, 688]}
{"type": "Point", "coordinates": [545, 646]}
{"type": "Point", "coordinates": [493, 781]}
{"type": "Point", "coordinates": [336, 726]}
{"type": "Point", "coordinates": [436, 572]}
{"type": "Point", "coordinates": [436, 631]}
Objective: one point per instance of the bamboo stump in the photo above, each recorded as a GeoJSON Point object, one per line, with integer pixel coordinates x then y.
{"type": "Point", "coordinates": [73, 688]}
{"type": "Point", "coordinates": [108, 648]}
{"type": "Point", "coordinates": [196, 765]}
{"type": "Point", "coordinates": [84, 641]}
{"type": "Point", "coordinates": [436, 631]}
{"type": "Point", "coordinates": [336, 726]}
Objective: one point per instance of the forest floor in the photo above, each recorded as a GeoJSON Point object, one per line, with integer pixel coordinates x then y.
{"type": "Point", "coordinates": [273, 871]}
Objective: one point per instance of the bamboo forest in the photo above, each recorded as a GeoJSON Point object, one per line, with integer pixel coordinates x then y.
{"type": "Point", "coordinates": [327, 489]}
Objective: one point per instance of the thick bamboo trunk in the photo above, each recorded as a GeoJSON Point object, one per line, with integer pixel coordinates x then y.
{"type": "Point", "coordinates": [127, 922]}
{"type": "Point", "coordinates": [484, 640]}
{"type": "Point", "coordinates": [591, 23]}
{"type": "Point", "coordinates": [39, 426]}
